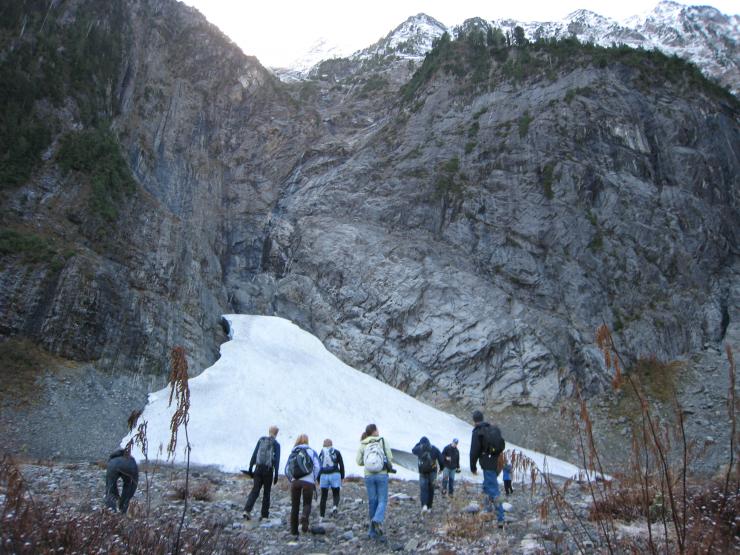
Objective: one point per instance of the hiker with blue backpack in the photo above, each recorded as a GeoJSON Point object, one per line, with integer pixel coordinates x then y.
{"type": "Point", "coordinates": [263, 468]}
{"type": "Point", "coordinates": [429, 462]}
{"type": "Point", "coordinates": [375, 455]}
{"type": "Point", "coordinates": [331, 476]}
{"type": "Point", "coordinates": [486, 446]}
{"type": "Point", "coordinates": [302, 470]}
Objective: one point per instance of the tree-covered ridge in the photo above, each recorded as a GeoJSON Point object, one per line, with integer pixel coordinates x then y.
{"type": "Point", "coordinates": [481, 59]}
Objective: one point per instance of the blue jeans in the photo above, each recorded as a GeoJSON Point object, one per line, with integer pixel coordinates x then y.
{"type": "Point", "coordinates": [426, 485]}
{"type": "Point", "coordinates": [490, 488]}
{"type": "Point", "coordinates": [448, 480]}
{"type": "Point", "coordinates": [377, 497]}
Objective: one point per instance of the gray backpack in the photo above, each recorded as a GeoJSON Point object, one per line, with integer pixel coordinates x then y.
{"type": "Point", "coordinates": [265, 452]}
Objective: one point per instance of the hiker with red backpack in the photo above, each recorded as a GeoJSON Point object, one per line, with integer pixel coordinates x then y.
{"type": "Point", "coordinates": [331, 476]}
{"type": "Point", "coordinates": [263, 468]}
{"type": "Point", "coordinates": [430, 461]}
{"type": "Point", "coordinates": [375, 455]}
{"type": "Point", "coordinates": [486, 446]}
{"type": "Point", "coordinates": [302, 470]}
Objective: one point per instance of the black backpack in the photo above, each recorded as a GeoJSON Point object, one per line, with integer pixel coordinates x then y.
{"type": "Point", "coordinates": [265, 452]}
{"type": "Point", "coordinates": [300, 464]}
{"type": "Point", "coordinates": [427, 463]}
{"type": "Point", "coordinates": [492, 443]}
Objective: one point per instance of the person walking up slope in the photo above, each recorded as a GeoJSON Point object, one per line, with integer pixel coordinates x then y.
{"type": "Point", "coordinates": [263, 467]}
{"type": "Point", "coordinates": [486, 445]}
{"type": "Point", "coordinates": [121, 465]}
{"type": "Point", "coordinates": [430, 460]}
{"type": "Point", "coordinates": [331, 476]}
{"type": "Point", "coordinates": [375, 455]}
{"type": "Point", "coordinates": [506, 475]}
{"type": "Point", "coordinates": [451, 466]}
{"type": "Point", "coordinates": [302, 470]}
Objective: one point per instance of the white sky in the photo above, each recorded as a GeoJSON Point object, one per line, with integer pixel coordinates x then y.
{"type": "Point", "coordinates": [280, 31]}
{"type": "Point", "coordinates": [274, 373]}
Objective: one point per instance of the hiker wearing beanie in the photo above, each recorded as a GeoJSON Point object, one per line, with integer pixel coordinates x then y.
{"type": "Point", "coordinates": [331, 476]}
{"type": "Point", "coordinates": [451, 462]}
{"type": "Point", "coordinates": [429, 462]}
{"type": "Point", "coordinates": [486, 446]}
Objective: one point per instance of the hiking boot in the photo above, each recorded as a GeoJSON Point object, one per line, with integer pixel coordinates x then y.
{"type": "Point", "coordinates": [377, 528]}
{"type": "Point", "coordinates": [304, 525]}
{"type": "Point", "coordinates": [334, 511]}
{"type": "Point", "coordinates": [246, 515]}
{"type": "Point", "coordinates": [424, 509]}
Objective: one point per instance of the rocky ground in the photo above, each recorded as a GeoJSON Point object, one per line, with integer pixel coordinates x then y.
{"type": "Point", "coordinates": [453, 526]}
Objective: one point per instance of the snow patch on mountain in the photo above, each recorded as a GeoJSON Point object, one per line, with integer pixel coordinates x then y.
{"type": "Point", "coordinates": [272, 372]}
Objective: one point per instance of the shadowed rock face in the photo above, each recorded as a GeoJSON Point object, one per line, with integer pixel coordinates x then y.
{"type": "Point", "coordinates": [462, 246]}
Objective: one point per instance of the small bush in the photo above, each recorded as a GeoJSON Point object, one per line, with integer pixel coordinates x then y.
{"type": "Point", "coordinates": [524, 122]}
{"type": "Point", "coordinates": [31, 248]}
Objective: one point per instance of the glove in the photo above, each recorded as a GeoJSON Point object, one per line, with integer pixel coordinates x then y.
{"type": "Point", "coordinates": [457, 471]}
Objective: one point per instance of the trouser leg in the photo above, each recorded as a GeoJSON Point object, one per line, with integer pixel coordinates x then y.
{"type": "Point", "coordinates": [295, 501]}
{"type": "Point", "coordinates": [322, 503]}
{"type": "Point", "coordinates": [127, 492]}
{"type": "Point", "coordinates": [111, 490]}
{"type": "Point", "coordinates": [256, 486]}
{"type": "Point", "coordinates": [308, 490]}
{"type": "Point", "coordinates": [267, 485]}
{"type": "Point", "coordinates": [335, 496]}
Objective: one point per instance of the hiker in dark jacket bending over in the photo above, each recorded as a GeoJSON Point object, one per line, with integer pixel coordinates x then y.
{"type": "Point", "coordinates": [483, 448]}
{"type": "Point", "coordinates": [430, 460]}
{"type": "Point", "coordinates": [451, 461]}
{"type": "Point", "coordinates": [263, 467]}
{"type": "Point", "coordinates": [331, 476]}
{"type": "Point", "coordinates": [121, 465]}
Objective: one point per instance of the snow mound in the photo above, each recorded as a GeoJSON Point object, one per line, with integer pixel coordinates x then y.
{"type": "Point", "coordinates": [272, 372]}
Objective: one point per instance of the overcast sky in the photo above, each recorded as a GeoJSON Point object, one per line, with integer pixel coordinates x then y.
{"type": "Point", "coordinates": [279, 31]}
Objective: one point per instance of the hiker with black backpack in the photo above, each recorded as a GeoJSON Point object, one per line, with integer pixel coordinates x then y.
{"type": "Point", "coordinates": [429, 462]}
{"type": "Point", "coordinates": [263, 468]}
{"type": "Point", "coordinates": [302, 470]}
{"type": "Point", "coordinates": [375, 455]}
{"type": "Point", "coordinates": [486, 446]}
{"type": "Point", "coordinates": [451, 466]}
{"type": "Point", "coordinates": [330, 476]}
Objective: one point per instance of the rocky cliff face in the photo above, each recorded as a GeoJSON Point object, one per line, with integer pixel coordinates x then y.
{"type": "Point", "coordinates": [460, 237]}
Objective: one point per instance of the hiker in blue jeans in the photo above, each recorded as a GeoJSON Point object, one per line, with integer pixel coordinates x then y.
{"type": "Point", "coordinates": [482, 449]}
{"type": "Point", "coordinates": [375, 455]}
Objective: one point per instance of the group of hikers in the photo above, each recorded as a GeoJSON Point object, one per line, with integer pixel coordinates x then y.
{"type": "Point", "coordinates": [306, 469]}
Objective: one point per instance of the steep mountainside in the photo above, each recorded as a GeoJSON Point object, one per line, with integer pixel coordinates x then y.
{"type": "Point", "coordinates": [458, 231]}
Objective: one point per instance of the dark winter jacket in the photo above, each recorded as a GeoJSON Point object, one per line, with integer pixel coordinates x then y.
{"type": "Point", "coordinates": [275, 457]}
{"type": "Point", "coordinates": [326, 465]}
{"type": "Point", "coordinates": [424, 444]}
{"type": "Point", "coordinates": [478, 453]}
{"type": "Point", "coordinates": [122, 464]}
{"type": "Point", "coordinates": [451, 457]}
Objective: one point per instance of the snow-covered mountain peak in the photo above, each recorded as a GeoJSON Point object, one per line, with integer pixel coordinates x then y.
{"type": "Point", "coordinates": [411, 39]}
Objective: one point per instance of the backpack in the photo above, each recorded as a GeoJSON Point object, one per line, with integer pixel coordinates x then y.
{"type": "Point", "coordinates": [427, 463]}
{"type": "Point", "coordinates": [331, 464]}
{"type": "Point", "coordinates": [300, 464]}
{"type": "Point", "coordinates": [374, 456]}
{"type": "Point", "coordinates": [492, 442]}
{"type": "Point", "coordinates": [265, 452]}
